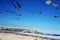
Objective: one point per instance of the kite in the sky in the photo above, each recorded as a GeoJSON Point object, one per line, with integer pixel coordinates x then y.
{"type": "Point", "coordinates": [36, 11]}
{"type": "Point", "coordinates": [15, 4]}
{"type": "Point", "coordinates": [55, 5]}
{"type": "Point", "coordinates": [48, 2]}
{"type": "Point", "coordinates": [12, 2]}
{"type": "Point", "coordinates": [19, 6]}
{"type": "Point", "coordinates": [56, 16]}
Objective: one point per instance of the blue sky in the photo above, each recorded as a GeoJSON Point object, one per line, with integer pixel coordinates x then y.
{"type": "Point", "coordinates": [44, 22]}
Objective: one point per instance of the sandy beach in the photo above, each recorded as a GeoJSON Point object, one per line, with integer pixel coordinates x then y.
{"type": "Point", "coordinates": [9, 36]}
